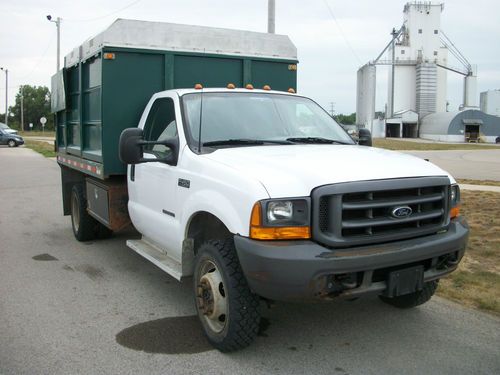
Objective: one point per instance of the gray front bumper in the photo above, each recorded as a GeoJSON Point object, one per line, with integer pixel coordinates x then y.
{"type": "Point", "coordinates": [301, 270]}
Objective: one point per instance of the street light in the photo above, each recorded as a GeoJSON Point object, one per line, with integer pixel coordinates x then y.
{"type": "Point", "coordinates": [6, 95]}
{"type": "Point", "coordinates": [58, 24]}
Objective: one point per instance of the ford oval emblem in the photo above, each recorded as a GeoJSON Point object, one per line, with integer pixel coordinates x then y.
{"type": "Point", "coordinates": [401, 212]}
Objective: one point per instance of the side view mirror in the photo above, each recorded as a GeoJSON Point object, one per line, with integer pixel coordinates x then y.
{"type": "Point", "coordinates": [365, 137]}
{"type": "Point", "coordinates": [130, 150]}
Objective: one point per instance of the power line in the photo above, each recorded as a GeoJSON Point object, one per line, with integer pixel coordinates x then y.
{"type": "Point", "coordinates": [39, 60]}
{"type": "Point", "coordinates": [342, 32]}
{"type": "Point", "coordinates": [42, 57]}
{"type": "Point", "coordinates": [106, 15]}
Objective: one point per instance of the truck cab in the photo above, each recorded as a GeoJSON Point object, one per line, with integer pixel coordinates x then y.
{"type": "Point", "coordinates": [261, 194]}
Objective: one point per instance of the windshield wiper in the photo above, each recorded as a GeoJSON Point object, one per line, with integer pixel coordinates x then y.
{"type": "Point", "coordinates": [316, 140]}
{"type": "Point", "coordinates": [244, 141]}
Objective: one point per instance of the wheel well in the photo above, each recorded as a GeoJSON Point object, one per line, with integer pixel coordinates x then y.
{"type": "Point", "coordinates": [69, 177]}
{"type": "Point", "coordinates": [205, 226]}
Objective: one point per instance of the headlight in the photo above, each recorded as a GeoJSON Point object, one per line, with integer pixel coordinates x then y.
{"type": "Point", "coordinates": [280, 211]}
{"type": "Point", "coordinates": [454, 201]}
{"type": "Point", "coordinates": [454, 195]}
{"type": "Point", "coordinates": [274, 219]}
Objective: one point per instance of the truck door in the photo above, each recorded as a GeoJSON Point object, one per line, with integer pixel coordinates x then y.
{"type": "Point", "coordinates": [152, 201]}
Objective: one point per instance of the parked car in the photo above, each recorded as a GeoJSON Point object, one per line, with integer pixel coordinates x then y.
{"type": "Point", "coordinates": [12, 140]}
{"type": "Point", "coordinates": [7, 129]}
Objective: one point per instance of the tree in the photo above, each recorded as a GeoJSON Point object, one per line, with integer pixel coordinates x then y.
{"type": "Point", "coordinates": [346, 119]}
{"type": "Point", "coordinates": [36, 105]}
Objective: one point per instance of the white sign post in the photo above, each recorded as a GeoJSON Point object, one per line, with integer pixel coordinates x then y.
{"type": "Point", "coordinates": [43, 121]}
{"type": "Point", "coordinates": [31, 126]}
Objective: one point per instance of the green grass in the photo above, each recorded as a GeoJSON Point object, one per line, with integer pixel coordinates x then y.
{"type": "Point", "coordinates": [394, 144]}
{"type": "Point", "coordinates": [44, 148]}
{"type": "Point", "coordinates": [37, 134]}
{"type": "Point", "coordinates": [476, 282]}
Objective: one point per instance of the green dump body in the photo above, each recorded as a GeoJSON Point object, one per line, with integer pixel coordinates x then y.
{"type": "Point", "coordinates": [96, 97]}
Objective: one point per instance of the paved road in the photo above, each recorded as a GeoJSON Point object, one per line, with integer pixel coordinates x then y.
{"type": "Point", "coordinates": [98, 308]}
{"type": "Point", "coordinates": [473, 164]}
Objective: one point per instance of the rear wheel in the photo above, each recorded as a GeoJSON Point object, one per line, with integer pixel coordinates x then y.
{"type": "Point", "coordinates": [413, 299]}
{"type": "Point", "coordinates": [228, 310]}
{"type": "Point", "coordinates": [85, 227]}
{"type": "Point", "coordinates": [12, 143]}
{"type": "Point", "coordinates": [103, 231]}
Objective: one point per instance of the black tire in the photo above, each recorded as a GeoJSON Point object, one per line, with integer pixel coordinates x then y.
{"type": "Point", "coordinates": [12, 143]}
{"type": "Point", "coordinates": [408, 301]}
{"type": "Point", "coordinates": [85, 227]}
{"type": "Point", "coordinates": [241, 315]}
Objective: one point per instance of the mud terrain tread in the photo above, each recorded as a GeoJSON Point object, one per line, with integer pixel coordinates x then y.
{"type": "Point", "coordinates": [244, 315]}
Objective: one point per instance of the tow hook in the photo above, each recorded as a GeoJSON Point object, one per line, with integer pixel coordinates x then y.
{"type": "Point", "coordinates": [338, 283]}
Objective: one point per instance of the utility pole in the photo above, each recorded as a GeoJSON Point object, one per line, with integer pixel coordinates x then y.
{"type": "Point", "coordinates": [6, 95]}
{"type": "Point", "coordinates": [271, 16]}
{"type": "Point", "coordinates": [332, 109]}
{"type": "Point", "coordinates": [58, 24]}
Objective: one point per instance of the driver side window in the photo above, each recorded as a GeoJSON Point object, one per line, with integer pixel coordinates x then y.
{"type": "Point", "coordinates": [160, 125]}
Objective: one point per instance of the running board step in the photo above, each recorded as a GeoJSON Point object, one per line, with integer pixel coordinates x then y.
{"type": "Point", "coordinates": [155, 256]}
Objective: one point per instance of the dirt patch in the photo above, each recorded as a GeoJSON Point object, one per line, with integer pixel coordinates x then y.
{"type": "Point", "coordinates": [478, 182]}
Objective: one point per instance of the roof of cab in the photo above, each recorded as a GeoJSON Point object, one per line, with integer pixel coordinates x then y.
{"type": "Point", "coordinates": [182, 92]}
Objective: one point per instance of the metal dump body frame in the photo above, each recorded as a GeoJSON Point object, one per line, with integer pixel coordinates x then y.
{"type": "Point", "coordinates": [109, 79]}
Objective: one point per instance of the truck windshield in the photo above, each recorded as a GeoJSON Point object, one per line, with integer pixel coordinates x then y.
{"type": "Point", "coordinates": [244, 119]}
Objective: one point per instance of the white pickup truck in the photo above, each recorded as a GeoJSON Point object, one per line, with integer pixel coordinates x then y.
{"type": "Point", "coordinates": [260, 194]}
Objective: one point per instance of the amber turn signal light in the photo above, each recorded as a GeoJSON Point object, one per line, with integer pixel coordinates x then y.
{"type": "Point", "coordinates": [266, 87]}
{"type": "Point", "coordinates": [454, 212]}
{"type": "Point", "coordinates": [198, 86]}
{"type": "Point", "coordinates": [249, 86]}
{"type": "Point", "coordinates": [230, 86]}
{"type": "Point", "coordinates": [258, 232]}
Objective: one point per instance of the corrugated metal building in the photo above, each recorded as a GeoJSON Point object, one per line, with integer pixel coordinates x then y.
{"type": "Point", "coordinates": [461, 126]}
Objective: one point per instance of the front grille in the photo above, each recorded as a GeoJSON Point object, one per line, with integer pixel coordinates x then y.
{"type": "Point", "coordinates": [358, 213]}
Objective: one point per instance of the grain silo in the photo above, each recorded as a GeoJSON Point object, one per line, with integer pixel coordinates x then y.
{"type": "Point", "coordinates": [417, 84]}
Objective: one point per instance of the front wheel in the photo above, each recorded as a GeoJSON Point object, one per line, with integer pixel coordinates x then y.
{"type": "Point", "coordinates": [12, 143]}
{"type": "Point", "coordinates": [227, 309]}
{"type": "Point", "coordinates": [413, 299]}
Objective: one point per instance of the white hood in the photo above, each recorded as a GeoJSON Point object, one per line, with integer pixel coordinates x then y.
{"type": "Point", "coordinates": [294, 170]}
